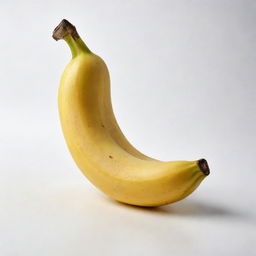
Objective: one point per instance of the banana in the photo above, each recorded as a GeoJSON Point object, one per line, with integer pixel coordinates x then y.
{"type": "Point", "coordinates": [98, 145]}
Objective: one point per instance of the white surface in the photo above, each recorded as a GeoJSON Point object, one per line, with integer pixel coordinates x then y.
{"type": "Point", "coordinates": [183, 86]}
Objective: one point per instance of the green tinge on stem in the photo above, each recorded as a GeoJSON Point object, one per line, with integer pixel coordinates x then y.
{"type": "Point", "coordinates": [65, 30]}
{"type": "Point", "coordinates": [76, 46]}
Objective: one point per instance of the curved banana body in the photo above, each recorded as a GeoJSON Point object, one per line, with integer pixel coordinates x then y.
{"type": "Point", "coordinates": [97, 144]}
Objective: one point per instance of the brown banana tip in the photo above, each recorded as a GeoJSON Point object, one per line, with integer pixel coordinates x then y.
{"type": "Point", "coordinates": [63, 29]}
{"type": "Point", "coordinates": [203, 166]}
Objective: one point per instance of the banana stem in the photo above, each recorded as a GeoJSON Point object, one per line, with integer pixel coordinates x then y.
{"type": "Point", "coordinates": [203, 166]}
{"type": "Point", "coordinates": [66, 31]}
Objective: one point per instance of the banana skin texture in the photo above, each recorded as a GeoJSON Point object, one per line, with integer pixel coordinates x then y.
{"type": "Point", "coordinates": [97, 144]}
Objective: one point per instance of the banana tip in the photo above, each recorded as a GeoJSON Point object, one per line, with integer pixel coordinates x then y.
{"type": "Point", "coordinates": [203, 166]}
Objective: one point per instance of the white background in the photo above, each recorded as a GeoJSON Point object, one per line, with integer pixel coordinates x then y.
{"type": "Point", "coordinates": [183, 87]}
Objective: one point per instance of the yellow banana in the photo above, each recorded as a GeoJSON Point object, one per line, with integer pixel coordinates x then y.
{"type": "Point", "coordinates": [99, 147]}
